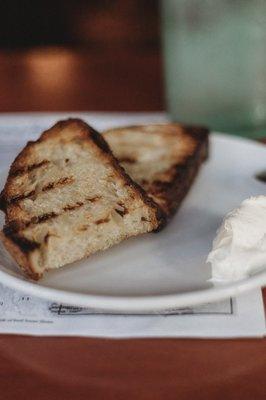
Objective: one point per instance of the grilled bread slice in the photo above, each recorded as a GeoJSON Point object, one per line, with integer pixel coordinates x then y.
{"type": "Point", "coordinates": [164, 159]}
{"type": "Point", "coordinates": [66, 197]}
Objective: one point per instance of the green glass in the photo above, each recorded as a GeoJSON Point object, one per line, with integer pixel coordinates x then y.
{"type": "Point", "coordinates": [215, 63]}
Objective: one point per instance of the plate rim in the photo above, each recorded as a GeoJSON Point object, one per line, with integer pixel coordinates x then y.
{"type": "Point", "coordinates": [135, 303]}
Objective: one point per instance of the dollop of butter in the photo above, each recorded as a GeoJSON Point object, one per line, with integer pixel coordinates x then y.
{"type": "Point", "coordinates": [239, 248]}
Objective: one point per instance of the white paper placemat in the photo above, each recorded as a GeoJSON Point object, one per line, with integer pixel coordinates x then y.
{"type": "Point", "coordinates": [239, 317]}
{"type": "Point", "coordinates": [22, 314]}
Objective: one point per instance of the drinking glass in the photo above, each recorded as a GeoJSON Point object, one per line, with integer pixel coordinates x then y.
{"type": "Point", "coordinates": [215, 63]}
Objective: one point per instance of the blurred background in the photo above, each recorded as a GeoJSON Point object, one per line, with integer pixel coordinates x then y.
{"type": "Point", "coordinates": [203, 61]}
{"type": "Point", "coordinates": [80, 55]}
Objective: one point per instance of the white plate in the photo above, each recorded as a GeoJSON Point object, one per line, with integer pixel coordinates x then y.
{"type": "Point", "coordinates": [164, 270]}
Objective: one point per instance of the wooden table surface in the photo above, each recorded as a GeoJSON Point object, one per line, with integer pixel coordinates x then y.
{"type": "Point", "coordinates": [78, 368]}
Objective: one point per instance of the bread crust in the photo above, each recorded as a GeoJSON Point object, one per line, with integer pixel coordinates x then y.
{"type": "Point", "coordinates": [20, 255]}
{"type": "Point", "coordinates": [20, 248]}
{"type": "Point", "coordinates": [183, 175]}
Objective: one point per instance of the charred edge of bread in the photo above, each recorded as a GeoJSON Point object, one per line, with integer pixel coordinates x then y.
{"type": "Point", "coordinates": [2, 201]}
{"type": "Point", "coordinates": [183, 174]}
{"type": "Point", "coordinates": [20, 249]}
{"type": "Point", "coordinates": [201, 135]}
{"type": "Point", "coordinates": [25, 245]}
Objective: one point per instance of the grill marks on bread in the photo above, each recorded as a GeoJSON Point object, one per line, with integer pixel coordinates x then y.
{"type": "Point", "coordinates": [102, 221]}
{"type": "Point", "coordinates": [70, 207]}
{"type": "Point", "coordinates": [61, 182]}
{"type": "Point", "coordinates": [128, 160]}
{"type": "Point", "coordinates": [24, 170]}
{"type": "Point", "coordinates": [18, 198]}
{"type": "Point", "coordinates": [121, 209]}
{"type": "Point", "coordinates": [16, 226]}
{"type": "Point", "coordinates": [33, 193]}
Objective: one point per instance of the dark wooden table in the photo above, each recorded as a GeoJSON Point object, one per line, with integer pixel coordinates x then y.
{"type": "Point", "coordinates": [75, 368]}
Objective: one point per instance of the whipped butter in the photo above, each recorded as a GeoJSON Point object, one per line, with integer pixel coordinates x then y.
{"type": "Point", "coordinates": [240, 245]}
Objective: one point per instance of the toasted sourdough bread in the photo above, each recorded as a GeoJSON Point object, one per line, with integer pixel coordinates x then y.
{"type": "Point", "coordinates": [164, 158]}
{"type": "Point", "coordinates": [66, 197]}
